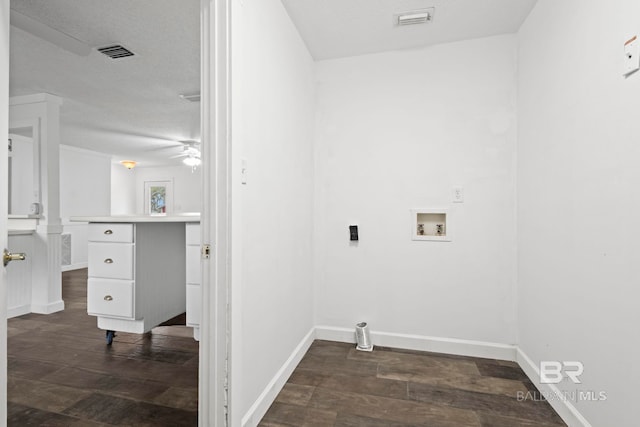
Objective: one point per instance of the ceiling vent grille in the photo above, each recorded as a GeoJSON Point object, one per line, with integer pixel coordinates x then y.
{"type": "Point", "coordinates": [116, 51]}
{"type": "Point", "coordinates": [414, 17]}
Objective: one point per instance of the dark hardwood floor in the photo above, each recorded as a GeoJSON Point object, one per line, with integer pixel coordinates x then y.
{"type": "Point", "coordinates": [62, 373]}
{"type": "Point", "coordinates": [335, 385]}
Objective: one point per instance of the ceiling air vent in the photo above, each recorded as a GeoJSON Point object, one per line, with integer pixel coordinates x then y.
{"type": "Point", "coordinates": [116, 51]}
{"type": "Point", "coordinates": [414, 17]}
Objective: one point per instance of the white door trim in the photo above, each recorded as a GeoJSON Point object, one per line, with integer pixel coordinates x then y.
{"type": "Point", "coordinates": [216, 220]}
{"type": "Point", "coordinates": [4, 134]}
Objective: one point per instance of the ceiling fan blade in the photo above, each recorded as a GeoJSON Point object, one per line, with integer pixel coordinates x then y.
{"type": "Point", "coordinates": [168, 147]}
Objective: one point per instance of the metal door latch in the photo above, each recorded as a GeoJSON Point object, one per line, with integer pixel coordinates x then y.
{"type": "Point", "coordinates": [206, 251]}
{"type": "Point", "coordinates": [7, 257]}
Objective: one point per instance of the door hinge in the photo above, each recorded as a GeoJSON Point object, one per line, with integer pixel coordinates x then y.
{"type": "Point", "coordinates": [206, 251]}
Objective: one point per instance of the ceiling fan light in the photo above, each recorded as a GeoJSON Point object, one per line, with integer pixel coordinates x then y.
{"type": "Point", "coordinates": [129, 164]}
{"type": "Point", "coordinates": [191, 161]}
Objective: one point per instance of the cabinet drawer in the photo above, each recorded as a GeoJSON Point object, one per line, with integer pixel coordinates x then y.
{"type": "Point", "coordinates": [193, 265]}
{"type": "Point", "coordinates": [111, 260]}
{"type": "Point", "coordinates": [121, 233]}
{"type": "Point", "coordinates": [193, 305]}
{"type": "Point", "coordinates": [193, 234]}
{"type": "Point", "coordinates": [110, 297]}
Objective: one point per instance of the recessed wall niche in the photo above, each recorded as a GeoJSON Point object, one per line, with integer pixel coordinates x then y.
{"type": "Point", "coordinates": [431, 225]}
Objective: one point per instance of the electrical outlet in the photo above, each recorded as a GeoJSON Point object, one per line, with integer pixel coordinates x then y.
{"type": "Point", "coordinates": [458, 195]}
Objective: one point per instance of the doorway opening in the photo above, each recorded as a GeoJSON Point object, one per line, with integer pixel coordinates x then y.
{"type": "Point", "coordinates": [206, 12]}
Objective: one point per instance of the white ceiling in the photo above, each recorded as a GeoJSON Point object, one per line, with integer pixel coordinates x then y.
{"type": "Point", "coordinates": [128, 107]}
{"type": "Point", "coordinates": [339, 28]}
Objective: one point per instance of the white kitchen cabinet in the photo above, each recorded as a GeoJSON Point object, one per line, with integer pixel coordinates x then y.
{"type": "Point", "coordinates": [137, 274]}
{"type": "Point", "coordinates": [111, 260]}
{"type": "Point", "coordinates": [110, 298]}
{"type": "Point", "coordinates": [194, 274]}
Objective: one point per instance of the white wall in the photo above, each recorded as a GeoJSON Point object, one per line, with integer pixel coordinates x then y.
{"type": "Point", "coordinates": [85, 190]}
{"type": "Point", "coordinates": [397, 131]}
{"type": "Point", "coordinates": [272, 309]}
{"type": "Point", "coordinates": [123, 190]}
{"type": "Point", "coordinates": [578, 228]}
{"type": "Point", "coordinates": [85, 182]}
{"type": "Point", "coordinates": [127, 188]}
{"type": "Point", "coordinates": [187, 186]}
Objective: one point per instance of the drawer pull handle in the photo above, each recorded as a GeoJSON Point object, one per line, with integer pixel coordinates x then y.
{"type": "Point", "coordinates": [108, 261]}
{"type": "Point", "coordinates": [107, 232]}
{"type": "Point", "coordinates": [108, 298]}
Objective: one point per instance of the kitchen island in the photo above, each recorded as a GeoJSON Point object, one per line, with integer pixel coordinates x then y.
{"type": "Point", "coordinates": [143, 270]}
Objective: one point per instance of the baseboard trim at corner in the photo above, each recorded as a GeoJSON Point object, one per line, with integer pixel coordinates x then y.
{"type": "Point", "coordinates": [18, 311]}
{"type": "Point", "coordinates": [50, 308]}
{"type": "Point", "coordinates": [458, 347]}
{"type": "Point", "coordinates": [563, 407]}
{"type": "Point", "coordinates": [268, 396]}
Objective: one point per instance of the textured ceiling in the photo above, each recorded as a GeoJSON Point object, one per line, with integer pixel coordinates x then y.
{"type": "Point", "coordinates": [339, 28]}
{"type": "Point", "coordinates": [128, 107]}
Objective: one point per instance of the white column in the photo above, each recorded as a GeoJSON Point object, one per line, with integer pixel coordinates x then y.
{"type": "Point", "coordinates": [42, 112]}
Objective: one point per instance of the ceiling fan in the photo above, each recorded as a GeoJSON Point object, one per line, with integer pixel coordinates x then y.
{"type": "Point", "coordinates": [190, 153]}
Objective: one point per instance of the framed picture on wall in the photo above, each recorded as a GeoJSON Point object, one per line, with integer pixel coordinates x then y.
{"type": "Point", "coordinates": [158, 196]}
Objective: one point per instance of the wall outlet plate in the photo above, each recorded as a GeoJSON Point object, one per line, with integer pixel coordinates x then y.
{"type": "Point", "coordinates": [457, 195]}
{"type": "Point", "coordinates": [631, 56]}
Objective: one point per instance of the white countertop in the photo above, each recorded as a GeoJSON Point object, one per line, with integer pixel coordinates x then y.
{"type": "Point", "coordinates": [186, 217]}
{"type": "Point", "coordinates": [17, 223]}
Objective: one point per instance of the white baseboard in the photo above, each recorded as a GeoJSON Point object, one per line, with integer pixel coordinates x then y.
{"type": "Point", "coordinates": [35, 308]}
{"type": "Point", "coordinates": [423, 343]}
{"type": "Point", "coordinates": [563, 407]}
{"type": "Point", "coordinates": [53, 307]}
{"type": "Point", "coordinates": [18, 310]}
{"type": "Point", "coordinates": [77, 266]}
{"type": "Point", "coordinates": [267, 397]}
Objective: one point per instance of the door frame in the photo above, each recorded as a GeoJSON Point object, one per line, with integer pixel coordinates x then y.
{"type": "Point", "coordinates": [215, 88]}
{"type": "Point", "coordinates": [4, 202]}
{"type": "Point", "coordinates": [215, 35]}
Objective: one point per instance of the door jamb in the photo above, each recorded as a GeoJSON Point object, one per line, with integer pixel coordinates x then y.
{"type": "Point", "coordinates": [215, 113]}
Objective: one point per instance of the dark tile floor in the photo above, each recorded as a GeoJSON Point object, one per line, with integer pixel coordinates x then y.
{"type": "Point", "coordinates": [62, 373]}
{"type": "Point", "coordinates": [335, 385]}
